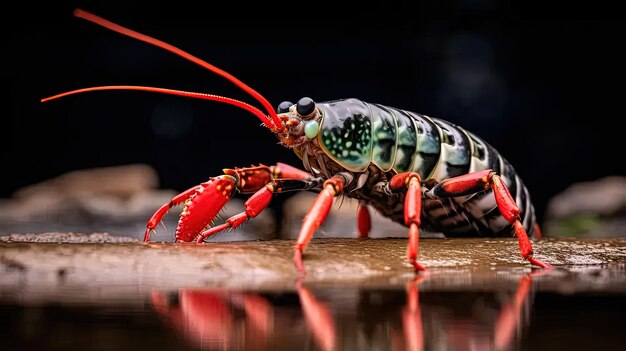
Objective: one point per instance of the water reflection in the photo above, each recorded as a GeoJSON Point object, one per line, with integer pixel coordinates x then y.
{"type": "Point", "coordinates": [349, 318]}
{"type": "Point", "coordinates": [217, 319]}
{"type": "Point", "coordinates": [579, 308]}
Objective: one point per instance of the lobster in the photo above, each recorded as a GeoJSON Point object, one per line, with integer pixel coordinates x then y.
{"type": "Point", "coordinates": [417, 170]}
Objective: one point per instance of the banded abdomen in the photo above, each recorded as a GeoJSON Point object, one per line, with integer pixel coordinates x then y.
{"type": "Point", "coordinates": [356, 134]}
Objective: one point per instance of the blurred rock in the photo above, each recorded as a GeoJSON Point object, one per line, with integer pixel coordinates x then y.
{"type": "Point", "coordinates": [119, 181]}
{"type": "Point", "coordinates": [341, 221]}
{"type": "Point", "coordinates": [594, 209]}
{"type": "Point", "coordinates": [82, 190]}
{"type": "Point", "coordinates": [117, 200]}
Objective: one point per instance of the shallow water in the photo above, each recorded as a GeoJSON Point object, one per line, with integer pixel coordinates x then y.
{"type": "Point", "coordinates": [573, 308]}
{"type": "Point", "coordinates": [74, 292]}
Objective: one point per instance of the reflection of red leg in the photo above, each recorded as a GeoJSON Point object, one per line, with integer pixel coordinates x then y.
{"type": "Point", "coordinates": [478, 181]}
{"type": "Point", "coordinates": [260, 313]}
{"type": "Point", "coordinates": [510, 315]}
{"type": "Point", "coordinates": [412, 211]}
{"type": "Point", "coordinates": [170, 314]}
{"type": "Point", "coordinates": [208, 317]}
{"type": "Point", "coordinates": [259, 319]}
{"type": "Point", "coordinates": [316, 215]}
{"type": "Point", "coordinates": [364, 220]}
{"type": "Point", "coordinates": [203, 317]}
{"type": "Point", "coordinates": [412, 316]}
{"type": "Point", "coordinates": [319, 319]}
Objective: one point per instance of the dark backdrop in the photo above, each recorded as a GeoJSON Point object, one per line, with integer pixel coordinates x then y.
{"type": "Point", "coordinates": [544, 85]}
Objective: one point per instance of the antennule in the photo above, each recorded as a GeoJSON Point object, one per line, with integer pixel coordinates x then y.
{"type": "Point", "coordinates": [255, 111]}
{"type": "Point", "coordinates": [275, 122]}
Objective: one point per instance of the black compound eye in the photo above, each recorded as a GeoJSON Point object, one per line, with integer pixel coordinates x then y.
{"type": "Point", "coordinates": [305, 106]}
{"type": "Point", "coordinates": [284, 106]}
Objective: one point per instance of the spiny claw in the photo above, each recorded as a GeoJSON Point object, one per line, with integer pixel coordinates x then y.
{"type": "Point", "coordinates": [203, 206]}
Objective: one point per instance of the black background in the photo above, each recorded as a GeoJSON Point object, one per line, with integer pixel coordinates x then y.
{"type": "Point", "coordinates": [543, 85]}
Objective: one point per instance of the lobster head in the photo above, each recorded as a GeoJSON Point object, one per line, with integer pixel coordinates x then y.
{"type": "Point", "coordinates": [301, 122]}
{"type": "Point", "coordinates": [293, 124]}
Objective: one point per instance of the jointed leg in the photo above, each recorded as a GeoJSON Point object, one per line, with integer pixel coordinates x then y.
{"type": "Point", "coordinates": [483, 180]}
{"type": "Point", "coordinates": [316, 215]}
{"type": "Point", "coordinates": [538, 232]}
{"type": "Point", "coordinates": [410, 183]}
{"type": "Point", "coordinates": [364, 220]}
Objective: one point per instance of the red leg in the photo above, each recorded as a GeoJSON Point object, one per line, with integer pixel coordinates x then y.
{"type": "Point", "coordinates": [316, 216]}
{"type": "Point", "coordinates": [255, 204]}
{"type": "Point", "coordinates": [478, 181]}
{"type": "Point", "coordinates": [538, 232]}
{"type": "Point", "coordinates": [203, 202]}
{"type": "Point", "coordinates": [410, 182]}
{"type": "Point", "coordinates": [364, 220]}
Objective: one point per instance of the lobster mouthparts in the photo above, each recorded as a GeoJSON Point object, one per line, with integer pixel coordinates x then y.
{"type": "Point", "coordinates": [203, 206]}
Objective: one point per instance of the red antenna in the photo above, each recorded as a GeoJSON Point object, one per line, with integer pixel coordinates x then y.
{"type": "Point", "coordinates": [274, 123]}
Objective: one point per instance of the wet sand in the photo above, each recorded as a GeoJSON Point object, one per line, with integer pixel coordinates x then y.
{"type": "Point", "coordinates": [67, 266]}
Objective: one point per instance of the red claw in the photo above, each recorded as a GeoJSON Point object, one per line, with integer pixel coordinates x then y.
{"type": "Point", "coordinates": [203, 206]}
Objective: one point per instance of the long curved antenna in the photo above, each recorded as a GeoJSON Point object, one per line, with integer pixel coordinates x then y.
{"type": "Point", "coordinates": [276, 123]}
{"type": "Point", "coordinates": [227, 100]}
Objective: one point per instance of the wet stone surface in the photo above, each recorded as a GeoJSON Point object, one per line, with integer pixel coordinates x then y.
{"type": "Point", "coordinates": [66, 291]}
{"type": "Point", "coordinates": [88, 266]}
